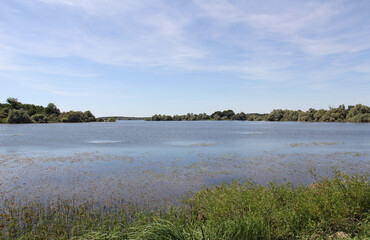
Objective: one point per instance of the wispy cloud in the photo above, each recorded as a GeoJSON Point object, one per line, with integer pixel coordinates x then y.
{"type": "Point", "coordinates": [256, 40]}
{"type": "Point", "coordinates": [129, 33]}
{"type": "Point", "coordinates": [51, 89]}
{"type": "Point", "coordinates": [290, 35]}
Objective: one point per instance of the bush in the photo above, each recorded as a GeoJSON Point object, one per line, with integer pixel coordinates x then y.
{"type": "Point", "coordinates": [111, 120]}
{"type": "Point", "coordinates": [72, 116]}
{"type": "Point", "coordinates": [360, 118]}
{"type": "Point", "coordinates": [64, 120]}
{"type": "Point", "coordinates": [18, 116]}
{"type": "Point", "coordinates": [39, 118]}
{"type": "Point", "coordinates": [52, 109]}
{"type": "Point", "coordinates": [88, 117]}
{"type": "Point", "coordinates": [53, 118]}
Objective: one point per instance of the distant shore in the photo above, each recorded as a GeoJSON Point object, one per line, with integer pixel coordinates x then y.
{"type": "Point", "coordinates": [15, 112]}
{"type": "Point", "coordinates": [357, 114]}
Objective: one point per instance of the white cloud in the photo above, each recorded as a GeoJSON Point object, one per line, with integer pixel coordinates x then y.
{"type": "Point", "coordinates": [130, 33]}
{"type": "Point", "coordinates": [102, 8]}
{"type": "Point", "coordinates": [256, 40]}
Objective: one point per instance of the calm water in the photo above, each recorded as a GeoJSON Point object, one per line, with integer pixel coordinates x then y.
{"type": "Point", "coordinates": [160, 161]}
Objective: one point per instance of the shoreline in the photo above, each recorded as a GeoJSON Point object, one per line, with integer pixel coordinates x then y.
{"type": "Point", "coordinates": [239, 210]}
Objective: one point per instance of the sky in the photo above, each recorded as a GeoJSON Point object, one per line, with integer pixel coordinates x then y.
{"type": "Point", "coordinates": [142, 57]}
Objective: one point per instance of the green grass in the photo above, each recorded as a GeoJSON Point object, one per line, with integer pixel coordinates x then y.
{"type": "Point", "coordinates": [336, 208]}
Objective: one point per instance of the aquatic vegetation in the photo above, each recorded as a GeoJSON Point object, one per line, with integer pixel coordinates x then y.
{"type": "Point", "coordinates": [314, 144]}
{"type": "Point", "coordinates": [325, 209]}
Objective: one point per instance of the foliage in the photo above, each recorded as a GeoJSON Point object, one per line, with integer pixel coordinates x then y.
{"type": "Point", "coordinates": [111, 120]}
{"type": "Point", "coordinates": [88, 117]}
{"type": "Point", "coordinates": [72, 116]}
{"type": "Point", "coordinates": [52, 109]}
{"type": "Point", "coordinates": [224, 115]}
{"type": "Point", "coordinates": [14, 103]}
{"type": "Point", "coordinates": [53, 118]}
{"type": "Point", "coordinates": [4, 114]}
{"type": "Point", "coordinates": [18, 116]}
{"type": "Point", "coordinates": [39, 118]}
{"type": "Point", "coordinates": [326, 209]}
{"type": "Point", "coordinates": [357, 114]}
{"type": "Point", "coordinates": [120, 118]}
{"type": "Point", "coordinates": [16, 112]}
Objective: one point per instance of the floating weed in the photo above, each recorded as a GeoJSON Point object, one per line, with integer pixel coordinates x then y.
{"type": "Point", "coordinates": [314, 144]}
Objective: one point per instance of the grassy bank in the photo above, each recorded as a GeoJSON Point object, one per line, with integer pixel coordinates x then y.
{"type": "Point", "coordinates": [336, 208]}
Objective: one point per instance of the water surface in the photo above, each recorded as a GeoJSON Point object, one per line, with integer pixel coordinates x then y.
{"type": "Point", "coordinates": [160, 161]}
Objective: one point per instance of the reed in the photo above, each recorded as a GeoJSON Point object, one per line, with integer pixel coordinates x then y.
{"type": "Point", "coordinates": [335, 208]}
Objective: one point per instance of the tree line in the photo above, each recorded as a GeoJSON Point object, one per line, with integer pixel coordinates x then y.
{"type": "Point", "coordinates": [352, 113]}
{"type": "Point", "coordinates": [13, 111]}
{"type": "Point", "coordinates": [218, 115]}
{"type": "Point", "coordinates": [122, 118]}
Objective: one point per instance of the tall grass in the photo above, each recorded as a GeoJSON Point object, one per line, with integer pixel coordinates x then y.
{"type": "Point", "coordinates": [336, 208]}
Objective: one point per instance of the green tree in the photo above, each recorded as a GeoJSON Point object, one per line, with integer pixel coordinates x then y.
{"type": "Point", "coordinates": [275, 115]}
{"type": "Point", "coordinates": [361, 118]}
{"type": "Point", "coordinates": [88, 117]}
{"type": "Point", "coordinates": [53, 118]}
{"type": "Point", "coordinates": [203, 116]}
{"type": "Point", "coordinates": [218, 113]}
{"type": "Point", "coordinates": [111, 120]}
{"type": "Point", "coordinates": [239, 116]}
{"type": "Point", "coordinates": [39, 118]}
{"type": "Point", "coordinates": [217, 117]}
{"type": "Point", "coordinates": [52, 109]}
{"type": "Point", "coordinates": [18, 116]}
{"type": "Point", "coordinates": [167, 118]}
{"type": "Point", "coordinates": [319, 115]}
{"type": "Point", "coordinates": [359, 109]}
{"type": "Point", "coordinates": [228, 114]}
{"type": "Point", "coordinates": [14, 103]}
{"type": "Point", "coordinates": [3, 114]}
{"type": "Point", "coordinates": [71, 116]}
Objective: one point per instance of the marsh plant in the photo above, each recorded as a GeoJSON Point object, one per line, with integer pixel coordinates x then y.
{"type": "Point", "coordinates": [335, 208]}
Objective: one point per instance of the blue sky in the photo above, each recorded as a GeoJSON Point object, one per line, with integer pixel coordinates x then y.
{"type": "Point", "coordinates": [141, 57]}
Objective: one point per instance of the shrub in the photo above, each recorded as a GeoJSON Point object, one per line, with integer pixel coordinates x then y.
{"type": "Point", "coordinates": [18, 116]}
{"type": "Point", "coordinates": [111, 120]}
{"type": "Point", "coordinates": [52, 109]}
{"type": "Point", "coordinates": [88, 117]}
{"type": "Point", "coordinates": [71, 116]}
{"type": "Point", "coordinates": [53, 118]}
{"type": "Point", "coordinates": [39, 118]}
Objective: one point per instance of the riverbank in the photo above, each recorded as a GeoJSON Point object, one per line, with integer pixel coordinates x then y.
{"type": "Point", "coordinates": [324, 209]}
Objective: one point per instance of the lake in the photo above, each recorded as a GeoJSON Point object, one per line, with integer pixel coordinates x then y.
{"type": "Point", "coordinates": [158, 162]}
